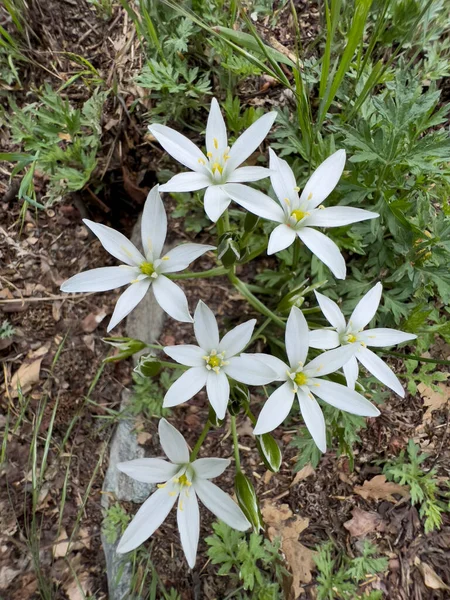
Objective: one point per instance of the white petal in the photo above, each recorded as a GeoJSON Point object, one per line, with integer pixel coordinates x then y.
{"type": "Point", "coordinates": [208, 468]}
{"type": "Point", "coordinates": [323, 339]}
{"type": "Point", "coordinates": [280, 238]}
{"type": "Point", "coordinates": [149, 470]}
{"type": "Point", "coordinates": [380, 370]}
{"type": "Point", "coordinates": [313, 417]}
{"type": "Point", "coordinates": [343, 398]}
{"type": "Point", "coordinates": [324, 179]}
{"type": "Point", "coordinates": [186, 354]}
{"type": "Point", "coordinates": [218, 390]}
{"type": "Point", "coordinates": [250, 371]}
{"type": "Point", "coordinates": [100, 280]}
{"type": "Point", "coordinates": [205, 328]}
{"type": "Point", "coordinates": [129, 300]}
{"type": "Point", "coordinates": [325, 250]}
{"type": "Point", "coordinates": [338, 216]}
{"type": "Point", "coordinates": [297, 337]}
{"type": "Point", "coordinates": [153, 225]}
{"type": "Point", "coordinates": [254, 201]}
{"type": "Point", "coordinates": [186, 386]}
{"type": "Point", "coordinates": [351, 371]}
{"type": "Point", "coordinates": [173, 443]}
{"type": "Point", "coordinates": [332, 312]}
{"type": "Point", "coordinates": [250, 140]}
{"type": "Point", "coordinates": [179, 146]}
{"type": "Point", "coordinates": [188, 521]}
{"type": "Point", "coordinates": [282, 179]}
{"type": "Point", "coordinates": [171, 299]}
{"type": "Point", "coordinates": [275, 364]}
{"type": "Point", "coordinates": [366, 308]}
{"type": "Point", "coordinates": [247, 174]}
{"type": "Point", "coordinates": [147, 519]}
{"type": "Point", "coordinates": [216, 132]}
{"type": "Point", "coordinates": [216, 202]}
{"type": "Point", "coordinates": [186, 182]}
{"type": "Point", "coordinates": [221, 505]}
{"type": "Point", "coordinates": [237, 339]}
{"type": "Point", "coordinates": [116, 244]}
{"type": "Point", "coordinates": [331, 361]}
{"type": "Point", "coordinates": [276, 409]}
{"type": "Point", "coordinates": [385, 337]}
{"type": "Point", "coordinates": [180, 258]}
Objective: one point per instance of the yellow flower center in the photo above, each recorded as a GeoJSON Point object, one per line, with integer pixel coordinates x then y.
{"type": "Point", "coordinates": [300, 379]}
{"type": "Point", "coordinates": [147, 268]}
{"type": "Point", "coordinates": [217, 167]}
{"type": "Point", "coordinates": [183, 480]}
{"type": "Point", "coordinates": [299, 214]}
{"type": "Point", "coordinates": [214, 361]}
{"type": "Point", "coordinates": [351, 338]}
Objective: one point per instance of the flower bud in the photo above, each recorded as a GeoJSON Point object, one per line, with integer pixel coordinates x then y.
{"type": "Point", "coordinates": [247, 500]}
{"type": "Point", "coordinates": [213, 419]}
{"type": "Point", "coordinates": [239, 398]}
{"type": "Point", "coordinates": [126, 346]}
{"type": "Point", "coordinates": [228, 250]}
{"type": "Point", "coordinates": [269, 452]}
{"type": "Point", "coordinates": [148, 366]}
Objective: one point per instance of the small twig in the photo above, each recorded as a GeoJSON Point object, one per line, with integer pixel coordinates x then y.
{"type": "Point", "coordinates": [49, 299]}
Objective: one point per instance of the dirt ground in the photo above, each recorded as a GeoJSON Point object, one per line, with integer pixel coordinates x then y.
{"type": "Point", "coordinates": [53, 245]}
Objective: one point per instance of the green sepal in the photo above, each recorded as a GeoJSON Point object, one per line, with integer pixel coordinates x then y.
{"type": "Point", "coordinates": [126, 346]}
{"type": "Point", "coordinates": [239, 398]}
{"type": "Point", "coordinates": [228, 251]}
{"type": "Point", "coordinates": [148, 366]}
{"type": "Point", "coordinates": [269, 452]}
{"type": "Point", "coordinates": [247, 500]}
{"type": "Point", "coordinates": [250, 222]}
{"type": "Point", "coordinates": [213, 419]}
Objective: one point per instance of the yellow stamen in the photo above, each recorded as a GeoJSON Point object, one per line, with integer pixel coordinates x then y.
{"type": "Point", "coordinates": [300, 379]}
{"type": "Point", "coordinates": [209, 154]}
{"type": "Point", "coordinates": [201, 161]}
{"type": "Point", "coordinates": [288, 202]}
{"type": "Point", "coordinates": [351, 338]}
{"type": "Point", "coordinates": [214, 361]}
{"type": "Point", "coordinates": [161, 485]}
{"type": "Point", "coordinates": [226, 156]}
{"type": "Point", "coordinates": [216, 143]}
{"type": "Point", "coordinates": [296, 189]}
{"type": "Point", "coordinates": [299, 214]}
{"type": "Point", "coordinates": [309, 195]}
{"type": "Point", "coordinates": [147, 268]}
{"type": "Point", "coordinates": [217, 167]}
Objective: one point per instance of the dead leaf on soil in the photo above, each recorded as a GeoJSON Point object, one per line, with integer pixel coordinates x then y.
{"type": "Point", "coordinates": [430, 578]}
{"type": "Point", "coordinates": [61, 545]}
{"type": "Point", "coordinates": [283, 524]}
{"type": "Point", "coordinates": [303, 474]}
{"type": "Point", "coordinates": [28, 372]}
{"type": "Point", "coordinates": [433, 400]}
{"type": "Point", "coordinates": [80, 588]}
{"type": "Point", "coordinates": [364, 522]}
{"type": "Point", "coordinates": [378, 488]}
{"type": "Point", "coordinates": [93, 320]}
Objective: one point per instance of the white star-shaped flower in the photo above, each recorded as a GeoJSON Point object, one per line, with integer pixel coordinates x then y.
{"type": "Point", "coordinates": [352, 334]}
{"type": "Point", "coordinates": [180, 480]}
{"type": "Point", "coordinates": [298, 215]}
{"type": "Point", "coordinates": [304, 380]}
{"type": "Point", "coordinates": [140, 271]}
{"type": "Point", "coordinates": [220, 167]}
{"type": "Point", "coordinates": [213, 361]}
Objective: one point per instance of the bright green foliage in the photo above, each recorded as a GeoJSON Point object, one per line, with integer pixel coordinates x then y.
{"type": "Point", "coordinates": [148, 395]}
{"type": "Point", "coordinates": [6, 330]}
{"type": "Point", "coordinates": [60, 140]}
{"type": "Point", "coordinates": [255, 563]}
{"type": "Point", "coordinates": [114, 523]}
{"type": "Point", "coordinates": [340, 576]}
{"type": "Point", "coordinates": [423, 485]}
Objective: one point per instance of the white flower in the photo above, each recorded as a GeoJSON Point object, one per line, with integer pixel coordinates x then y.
{"type": "Point", "coordinates": [213, 361]}
{"type": "Point", "coordinates": [304, 381]}
{"type": "Point", "coordinates": [183, 480]}
{"type": "Point", "coordinates": [298, 215]}
{"type": "Point", "coordinates": [220, 166]}
{"type": "Point", "coordinates": [141, 271]}
{"type": "Point", "coordinates": [353, 335]}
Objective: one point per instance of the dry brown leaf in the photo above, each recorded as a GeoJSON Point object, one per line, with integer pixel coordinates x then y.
{"type": "Point", "coordinates": [80, 588]}
{"type": "Point", "coordinates": [28, 372]}
{"type": "Point", "coordinates": [303, 474]}
{"type": "Point", "coordinates": [378, 488]}
{"type": "Point", "coordinates": [433, 400]}
{"type": "Point", "coordinates": [430, 578]}
{"type": "Point", "coordinates": [284, 525]}
{"type": "Point", "coordinates": [61, 545]}
{"type": "Point", "coordinates": [93, 320]}
{"type": "Point", "coordinates": [364, 522]}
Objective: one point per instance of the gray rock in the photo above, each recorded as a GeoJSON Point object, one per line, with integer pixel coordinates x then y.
{"type": "Point", "coordinates": [145, 322]}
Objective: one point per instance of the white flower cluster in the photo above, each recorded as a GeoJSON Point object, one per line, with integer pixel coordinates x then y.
{"type": "Point", "coordinates": [214, 361]}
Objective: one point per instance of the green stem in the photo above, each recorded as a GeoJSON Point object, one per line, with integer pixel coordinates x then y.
{"type": "Point", "coordinates": [436, 361]}
{"type": "Point", "coordinates": [200, 441]}
{"type": "Point", "coordinates": [260, 330]}
{"type": "Point", "coordinates": [253, 301]}
{"type": "Point", "coordinates": [198, 275]}
{"type": "Point", "coordinates": [235, 444]}
{"type": "Point", "coordinates": [223, 224]}
{"type": "Point", "coordinates": [171, 365]}
{"type": "Point", "coordinates": [296, 256]}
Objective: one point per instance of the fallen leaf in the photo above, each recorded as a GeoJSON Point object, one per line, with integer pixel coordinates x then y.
{"type": "Point", "coordinates": [283, 524]}
{"type": "Point", "coordinates": [61, 545]}
{"type": "Point", "coordinates": [430, 578]}
{"type": "Point", "coordinates": [93, 320]}
{"type": "Point", "coordinates": [364, 522]}
{"type": "Point", "coordinates": [7, 575]}
{"type": "Point", "coordinates": [378, 488]}
{"type": "Point", "coordinates": [245, 427]}
{"type": "Point", "coordinates": [433, 400]}
{"type": "Point", "coordinates": [28, 372]}
{"type": "Point", "coordinates": [79, 588]}
{"type": "Point", "coordinates": [303, 474]}
{"type": "Point", "coordinates": [143, 437]}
